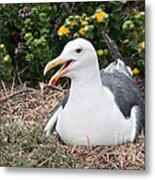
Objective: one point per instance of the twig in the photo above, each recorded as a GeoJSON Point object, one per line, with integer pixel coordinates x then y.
{"type": "Point", "coordinates": [42, 163]}
{"type": "Point", "coordinates": [12, 87]}
{"type": "Point", "coordinates": [54, 87]}
{"type": "Point", "coordinates": [59, 20]}
{"type": "Point", "coordinates": [71, 10]}
{"type": "Point", "coordinates": [16, 93]}
{"type": "Point", "coordinates": [3, 85]}
{"type": "Point", "coordinates": [18, 76]}
{"type": "Point", "coordinates": [21, 72]}
{"type": "Point", "coordinates": [67, 7]}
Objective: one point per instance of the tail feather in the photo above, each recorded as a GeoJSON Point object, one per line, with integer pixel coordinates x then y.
{"type": "Point", "coordinates": [119, 64]}
{"type": "Point", "coordinates": [112, 47]}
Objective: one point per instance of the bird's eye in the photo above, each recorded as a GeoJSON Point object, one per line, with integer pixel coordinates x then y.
{"type": "Point", "coordinates": [78, 50]}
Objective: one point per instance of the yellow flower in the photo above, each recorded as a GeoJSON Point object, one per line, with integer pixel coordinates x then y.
{"type": "Point", "coordinates": [136, 71]}
{"type": "Point", "coordinates": [99, 16]}
{"type": "Point", "coordinates": [141, 45]}
{"type": "Point", "coordinates": [100, 52]}
{"type": "Point", "coordinates": [81, 31]}
{"type": "Point", "coordinates": [84, 22]}
{"type": "Point", "coordinates": [63, 31]}
{"type": "Point", "coordinates": [73, 23]}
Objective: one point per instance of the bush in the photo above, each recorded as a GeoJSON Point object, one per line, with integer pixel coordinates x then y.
{"type": "Point", "coordinates": [5, 65]}
{"type": "Point", "coordinates": [33, 34]}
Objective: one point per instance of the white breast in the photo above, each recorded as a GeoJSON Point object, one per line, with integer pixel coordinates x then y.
{"type": "Point", "coordinates": [96, 120]}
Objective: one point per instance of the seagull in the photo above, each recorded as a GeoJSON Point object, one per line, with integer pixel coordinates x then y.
{"type": "Point", "coordinates": [102, 107]}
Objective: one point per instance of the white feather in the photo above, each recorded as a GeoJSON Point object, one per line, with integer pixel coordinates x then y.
{"type": "Point", "coordinates": [119, 66]}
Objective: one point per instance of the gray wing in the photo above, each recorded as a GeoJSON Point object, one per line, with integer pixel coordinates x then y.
{"type": "Point", "coordinates": [65, 99]}
{"type": "Point", "coordinates": [125, 91]}
{"type": "Point", "coordinates": [126, 94]}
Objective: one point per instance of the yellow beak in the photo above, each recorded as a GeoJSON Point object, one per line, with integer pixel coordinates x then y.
{"type": "Point", "coordinates": [58, 74]}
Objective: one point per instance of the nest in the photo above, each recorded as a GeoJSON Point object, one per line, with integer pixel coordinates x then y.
{"type": "Point", "coordinates": [26, 107]}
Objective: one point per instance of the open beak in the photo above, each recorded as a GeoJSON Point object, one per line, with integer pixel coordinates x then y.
{"type": "Point", "coordinates": [60, 72]}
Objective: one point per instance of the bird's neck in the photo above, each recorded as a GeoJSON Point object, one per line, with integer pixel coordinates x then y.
{"type": "Point", "coordinates": [86, 84]}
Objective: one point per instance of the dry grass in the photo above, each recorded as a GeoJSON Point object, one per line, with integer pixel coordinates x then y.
{"type": "Point", "coordinates": [23, 115]}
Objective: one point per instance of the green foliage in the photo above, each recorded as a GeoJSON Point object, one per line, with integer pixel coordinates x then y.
{"type": "Point", "coordinates": [25, 145]}
{"type": "Point", "coordinates": [33, 34]}
{"type": "Point", "coordinates": [5, 63]}
{"type": "Point", "coordinates": [134, 28]}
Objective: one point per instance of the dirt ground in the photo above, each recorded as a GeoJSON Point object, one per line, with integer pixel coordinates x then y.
{"type": "Point", "coordinates": [23, 115]}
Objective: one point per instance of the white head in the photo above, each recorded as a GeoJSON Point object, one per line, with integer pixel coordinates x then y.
{"type": "Point", "coordinates": [78, 56]}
